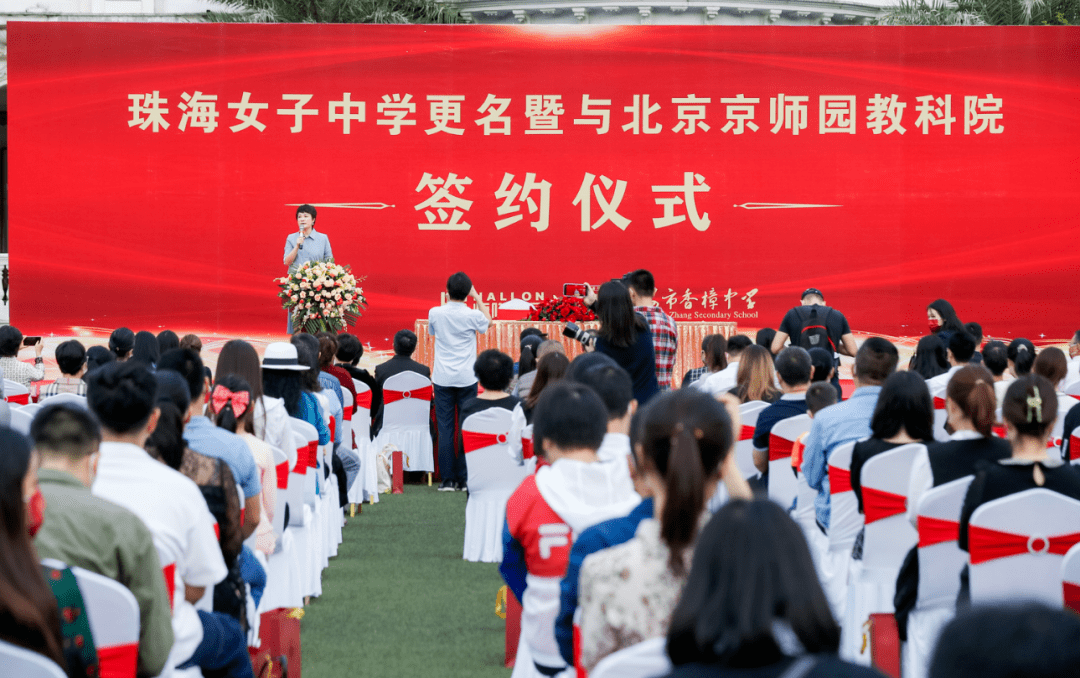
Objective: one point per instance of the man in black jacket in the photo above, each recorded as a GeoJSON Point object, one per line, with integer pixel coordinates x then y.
{"type": "Point", "coordinates": [404, 345]}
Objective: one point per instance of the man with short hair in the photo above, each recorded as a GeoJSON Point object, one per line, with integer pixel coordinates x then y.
{"type": "Point", "coordinates": [976, 331]}
{"type": "Point", "coordinates": [454, 327]}
{"type": "Point", "coordinates": [404, 346]}
{"type": "Point", "coordinates": [11, 367]}
{"type": "Point", "coordinates": [727, 378]}
{"type": "Point", "coordinates": [615, 388]}
{"type": "Point", "coordinates": [793, 371]}
{"type": "Point", "coordinates": [172, 507]}
{"type": "Point", "coordinates": [815, 325]}
{"type": "Point", "coordinates": [665, 332]}
{"type": "Point", "coordinates": [71, 359]}
{"type": "Point", "coordinates": [960, 351]}
{"type": "Point", "coordinates": [550, 507]}
{"type": "Point", "coordinates": [206, 438]}
{"type": "Point", "coordinates": [88, 532]}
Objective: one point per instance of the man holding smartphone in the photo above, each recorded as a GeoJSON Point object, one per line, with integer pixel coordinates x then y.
{"type": "Point", "coordinates": [11, 340]}
{"type": "Point", "coordinates": [306, 244]}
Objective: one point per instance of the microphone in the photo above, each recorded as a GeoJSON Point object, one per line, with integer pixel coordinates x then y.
{"type": "Point", "coordinates": [301, 239]}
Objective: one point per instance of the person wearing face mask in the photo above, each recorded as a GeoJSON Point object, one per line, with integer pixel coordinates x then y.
{"type": "Point", "coordinates": [942, 319]}
{"type": "Point", "coordinates": [88, 532]}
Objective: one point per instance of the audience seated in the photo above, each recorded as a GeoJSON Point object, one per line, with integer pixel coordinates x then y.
{"type": "Point", "coordinates": [765, 338]}
{"type": "Point", "coordinates": [696, 373]}
{"type": "Point", "coordinates": [615, 389]}
{"type": "Point", "coordinates": [209, 440]}
{"type": "Point", "coordinates": [13, 369]}
{"type": "Point", "coordinates": [96, 356]}
{"type": "Point", "coordinates": [29, 616]}
{"type": "Point", "coordinates": [167, 340]}
{"type": "Point", "coordinates": [819, 395]}
{"type": "Point", "coordinates": [494, 370]}
{"type": "Point", "coordinates": [793, 371]}
{"type": "Point", "coordinates": [82, 530]}
{"type": "Point", "coordinates": [976, 331]}
{"type": "Point", "coordinates": [145, 350]}
{"type": "Point", "coordinates": [756, 610]}
{"type": "Point", "coordinates": [526, 363]}
{"type": "Point", "coordinates": [1006, 641]}
{"type": "Point", "coordinates": [756, 376]}
{"type": "Point", "coordinates": [404, 346]}
{"type": "Point", "coordinates": [193, 343]}
{"type": "Point", "coordinates": [321, 384]}
{"type": "Point", "coordinates": [346, 463]}
{"type": "Point", "coordinates": [282, 378]}
{"type": "Point", "coordinates": [71, 359]}
{"type": "Point", "coordinates": [546, 346]}
{"type": "Point", "coordinates": [549, 369]}
{"type": "Point", "coordinates": [904, 414]}
{"type": "Point", "coordinates": [961, 348]}
{"type": "Point", "coordinates": [930, 358]}
{"type": "Point", "coordinates": [121, 342]}
{"type": "Point", "coordinates": [1021, 355]}
{"type": "Point", "coordinates": [548, 508]}
{"type": "Point", "coordinates": [1052, 364]}
{"type": "Point", "coordinates": [725, 378]}
{"type": "Point", "coordinates": [996, 359]}
{"type": "Point", "coordinates": [825, 370]}
{"type": "Point", "coordinates": [629, 591]}
{"type": "Point", "coordinates": [122, 397]}
{"type": "Point", "coordinates": [269, 420]}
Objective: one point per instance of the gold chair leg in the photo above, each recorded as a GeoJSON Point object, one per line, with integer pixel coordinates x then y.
{"type": "Point", "coordinates": [429, 480]}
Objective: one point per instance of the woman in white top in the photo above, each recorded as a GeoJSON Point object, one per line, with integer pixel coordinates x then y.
{"type": "Point", "coordinates": [1052, 364]}
{"type": "Point", "coordinates": [629, 591]}
{"type": "Point", "coordinates": [269, 421]}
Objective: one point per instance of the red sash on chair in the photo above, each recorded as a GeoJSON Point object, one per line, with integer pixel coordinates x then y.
{"type": "Point", "coordinates": [779, 448]}
{"type": "Point", "coordinates": [364, 400]}
{"type": "Point", "coordinates": [998, 430]}
{"type": "Point", "coordinates": [937, 531]}
{"type": "Point", "coordinates": [313, 454]}
{"type": "Point", "coordinates": [747, 433]}
{"type": "Point", "coordinates": [425, 393]}
{"type": "Point", "coordinates": [839, 480]}
{"type": "Point", "coordinates": [985, 544]}
{"type": "Point", "coordinates": [169, 572]}
{"type": "Point", "coordinates": [527, 451]}
{"type": "Point", "coordinates": [19, 398]}
{"type": "Point", "coordinates": [473, 440]}
{"type": "Point", "coordinates": [879, 504]}
{"type": "Point", "coordinates": [283, 475]}
{"type": "Point", "coordinates": [1072, 596]}
{"type": "Point", "coordinates": [939, 403]}
{"type": "Point", "coordinates": [1074, 448]}
{"type": "Point", "coordinates": [118, 661]}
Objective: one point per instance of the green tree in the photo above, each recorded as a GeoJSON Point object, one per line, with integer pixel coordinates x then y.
{"type": "Point", "coordinates": [982, 12]}
{"type": "Point", "coordinates": [338, 12]}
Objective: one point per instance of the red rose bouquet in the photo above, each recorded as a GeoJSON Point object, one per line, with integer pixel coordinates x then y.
{"type": "Point", "coordinates": [562, 309]}
{"type": "Point", "coordinates": [322, 296]}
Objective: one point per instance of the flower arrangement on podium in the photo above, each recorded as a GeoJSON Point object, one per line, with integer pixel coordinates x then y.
{"type": "Point", "coordinates": [562, 309]}
{"type": "Point", "coordinates": [322, 296]}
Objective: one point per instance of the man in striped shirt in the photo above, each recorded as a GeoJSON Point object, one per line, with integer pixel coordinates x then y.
{"type": "Point", "coordinates": [664, 333]}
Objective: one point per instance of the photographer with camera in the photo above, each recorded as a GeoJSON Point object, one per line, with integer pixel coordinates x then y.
{"type": "Point", "coordinates": [624, 336]}
{"type": "Point", "coordinates": [11, 340]}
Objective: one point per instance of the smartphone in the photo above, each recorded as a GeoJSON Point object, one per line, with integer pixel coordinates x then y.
{"type": "Point", "coordinates": [575, 289]}
{"type": "Point", "coordinates": [30, 341]}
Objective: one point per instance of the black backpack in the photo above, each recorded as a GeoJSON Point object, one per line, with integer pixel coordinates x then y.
{"type": "Point", "coordinates": [814, 333]}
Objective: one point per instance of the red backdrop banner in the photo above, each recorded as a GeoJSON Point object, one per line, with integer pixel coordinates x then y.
{"type": "Point", "coordinates": [155, 169]}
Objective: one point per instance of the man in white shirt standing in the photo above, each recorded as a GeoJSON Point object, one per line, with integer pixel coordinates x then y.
{"type": "Point", "coordinates": [454, 327]}
{"type": "Point", "coordinates": [173, 509]}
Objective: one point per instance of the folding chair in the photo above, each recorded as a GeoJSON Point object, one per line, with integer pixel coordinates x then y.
{"type": "Point", "coordinates": [25, 663]}
{"type": "Point", "coordinates": [406, 416]}
{"type": "Point", "coordinates": [1016, 546]}
{"type": "Point", "coordinates": [783, 483]}
{"type": "Point", "coordinates": [493, 477]}
{"type": "Point", "coordinates": [744, 447]}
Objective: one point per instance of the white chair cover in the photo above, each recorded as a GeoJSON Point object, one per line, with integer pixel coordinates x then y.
{"type": "Point", "coordinates": [366, 484]}
{"type": "Point", "coordinates": [889, 535]}
{"type": "Point", "coordinates": [744, 447]}
{"type": "Point", "coordinates": [647, 659]}
{"type": "Point", "coordinates": [66, 398]}
{"type": "Point", "coordinates": [16, 393]}
{"type": "Point", "coordinates": [21, 418]}
{"type": "Point", "coordinates": [493, 477]}
{"type": "Point", "coordinates": [845, 521]}
{"type": "Point", "coordinates": [31, 409]}
{"type": "Point", "coordinates": [783, 483]}
{"type": "Point", "coordinates": [1021, 564]}
{"type": "Point", "coordinates": [310, 437]}
{"type": "Point", "coordinates": [17, 661]}
{"type": "Point", "coordinates": [1070, 578]}
{"type": "Point", "coordinates": [282, 467]}
{"type": "Point", "coordinates": [940, 563]}
{"type": "Point", "coordinates": [406, 421]}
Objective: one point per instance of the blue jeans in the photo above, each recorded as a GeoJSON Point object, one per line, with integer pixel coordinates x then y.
{"type": "Point", "coordinates": [448, 402]}
{"type": "Point", "coordinates": [223, 647]}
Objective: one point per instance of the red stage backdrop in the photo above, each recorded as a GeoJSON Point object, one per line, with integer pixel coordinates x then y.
{"type": "Point", "coordinates": [155, 169]}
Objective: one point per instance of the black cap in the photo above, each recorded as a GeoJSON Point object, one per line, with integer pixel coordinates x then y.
{"type": "Point", "coordinates": [812, 290]}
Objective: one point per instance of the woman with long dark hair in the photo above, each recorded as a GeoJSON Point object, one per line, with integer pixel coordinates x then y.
{"type": "Point", "coordinates": [943, 320]}
{"type": "Point", "coordinates": [930, 358]}
{"type": "Point", "coordinates": [269, 420]}
{"type": "Point", "coordinates": [549, 369]}
{"type": "Point", "coordinates": [624, 336]}
{"type": "Point", "coordinates": [1021, 355]}
{"type": "Point", "coordinates": [752, 606]}
{"type": "Point", "coordinates": [629, 591]}
{"type": "Point", "coordinates": [29, 616]}
{"type": "Point", "coordinates": [283, 377]}
{"type": "Point", "coordinates": [904, 414]}
{"type": "Point", "coordinates": [145, 350]}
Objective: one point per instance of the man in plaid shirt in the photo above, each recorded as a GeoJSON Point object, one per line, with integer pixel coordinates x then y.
{"type": "Point", "coordinates": [664, 333]}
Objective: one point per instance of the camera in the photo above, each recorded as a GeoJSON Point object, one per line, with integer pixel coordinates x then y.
{"type": "Point", "coordinates": [587, 339]}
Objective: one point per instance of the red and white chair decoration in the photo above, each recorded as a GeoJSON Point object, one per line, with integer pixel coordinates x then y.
{"type": "Point", "coordinates": [113, 614]}
{"type": "Point", "coordinates": [1070, 578]}
{"type": "Point", "coordinates": [15, 393]}
{"type": "Point", "coordinates": [366, 485]}
{"type": "Point", "coordinates": [940, 563]}
{"type": "Point", "coordinates": [493, 477]}
{"type": "Point", "coordinates": [528, 449]}
{"type": "Point", "coordinates": [1016, 546]}
{"type": "Point", "coordinates": [18, 661]}
{"type": "Point", "coordinates": [308, 451]}
{"type": "Point", "coordinates": [744, 447]}
{"type": "Point", "coordinates": [283, 567]}
{"type": "Point", "coordinates": [647, 659]}
{"type": "Point", "coordinates": [783, 483]}
{"type": "Point", "coordinates": [1072, 390]}
{"type": "Point", "coordinates": [941, 416]}
{"type": "Point", "coordinates": [888, 535]}
{"type": "Point", "coordinates": [845, 521]}
{"type": "Point", "coordinates": [308, 527]}
{"type": "Point", "coordinates": [406, 419]}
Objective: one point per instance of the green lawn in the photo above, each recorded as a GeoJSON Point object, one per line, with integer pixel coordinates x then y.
{"type": "Point", "coordinates": [398, 600]}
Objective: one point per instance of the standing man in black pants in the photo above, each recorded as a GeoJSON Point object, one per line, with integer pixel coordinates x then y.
{"type": "Point", "coordinates": [454, 327]}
